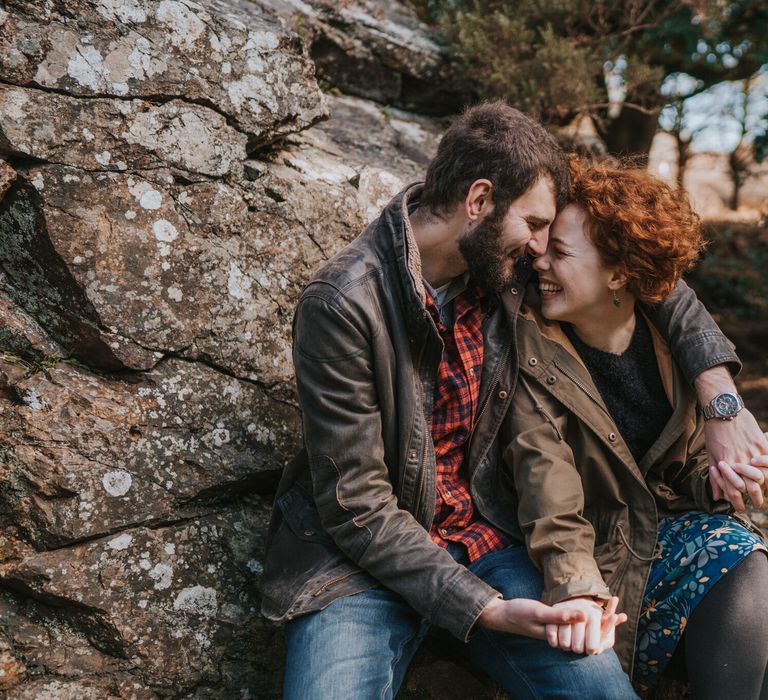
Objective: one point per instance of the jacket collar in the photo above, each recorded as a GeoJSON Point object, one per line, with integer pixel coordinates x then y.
{"type": "Point", "coordinates": [395, 240]}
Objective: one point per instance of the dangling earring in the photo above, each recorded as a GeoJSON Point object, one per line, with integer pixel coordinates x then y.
{"type": "Point", "coordinates": [616, 300]}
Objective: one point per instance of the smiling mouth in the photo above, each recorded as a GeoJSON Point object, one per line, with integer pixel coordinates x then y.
{"type": "Point", "coordinates": [549, 288]}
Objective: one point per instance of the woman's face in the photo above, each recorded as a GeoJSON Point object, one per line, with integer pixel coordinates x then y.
{"type": "Point", "coordinates": [573, 282]}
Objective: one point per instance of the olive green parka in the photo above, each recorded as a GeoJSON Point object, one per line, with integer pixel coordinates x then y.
{"type": "Point", "coordinates": [588, 510]}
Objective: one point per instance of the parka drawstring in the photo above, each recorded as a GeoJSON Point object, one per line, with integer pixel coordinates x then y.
{"type": "Point", "coordinates": [656, 550]}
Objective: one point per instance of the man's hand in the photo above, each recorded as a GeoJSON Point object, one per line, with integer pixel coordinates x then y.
{"type": "Point", "coordinates": [526, 617]}
{"type": "Point", "coordinates": [593, 635]}
{"type": "Point", "coordinates": [735, 447]}
{"type": "Point", "coordinates": [738, 457]}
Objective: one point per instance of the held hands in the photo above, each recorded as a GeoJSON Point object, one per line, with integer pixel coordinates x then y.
{"type": "Point", "coordinates": [594, 634]}
{"type": "Point", "coordinates": [738, 452]}
{"type": "Point", "coordinates": [529, 618]}
{"type": "Point", "coordinates": [737, 449]}
{"type": "Point", "coordinates": [583, 624]}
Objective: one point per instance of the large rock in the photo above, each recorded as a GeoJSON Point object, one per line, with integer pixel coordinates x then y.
{"type": "Point", "coordinates": [232, 56]}
{"type": "Point", "coordinates": [150, 260]}
{"type": "Point", "coordinates": [85, 456]}
{"type": "Point", "coordinates": [160, 610]}
{"type": "Point", "coordinates": [125, 267]}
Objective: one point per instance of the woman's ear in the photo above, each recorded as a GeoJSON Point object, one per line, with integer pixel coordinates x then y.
{"type": "Point", "coordinates": [618, 280]}
{"type": "Point", "coordinates": [478, 202]}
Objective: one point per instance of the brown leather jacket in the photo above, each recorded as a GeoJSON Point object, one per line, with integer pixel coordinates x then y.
{"type": "Point", "coordinates": [589, 512]}
{"type": "Point", "coordinates": [353, 510]}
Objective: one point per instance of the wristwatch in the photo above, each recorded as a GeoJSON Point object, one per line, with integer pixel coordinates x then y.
{"type": "Point", "coordinates": [724, 406]}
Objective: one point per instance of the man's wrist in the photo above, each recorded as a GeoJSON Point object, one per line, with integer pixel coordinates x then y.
{"type": "Point", "coordinates": [490, 616]}
{"type": "Point", "coordinates": [711, 382]}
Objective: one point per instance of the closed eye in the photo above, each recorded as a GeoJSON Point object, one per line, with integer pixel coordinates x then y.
{"type": "Point", "coordinates": [536, 223]}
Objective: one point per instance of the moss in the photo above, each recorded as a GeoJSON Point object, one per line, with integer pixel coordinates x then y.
{"type": "Point", "coordinates": [10, 495]}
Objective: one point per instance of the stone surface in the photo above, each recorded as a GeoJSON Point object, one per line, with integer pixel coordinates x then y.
{"type": "Point", "coordinates": [148, 612]}
{"type": "Point", "coordinates": [7, 177]}
{"type": "Point", "coordinates": [108, 134]}
{"type": "Point", "coordinates": [167, 599]}
{"type": "Point", "coordinates": [378, 50]}
{"type": "Point", "coordinates": [208, 269]}
{"type": "Point", "coordinates": [165, 194]}
{"type": "Point", "coordinates": [231, 55]}
{"type": "Point", "coordinates": [85, 456]}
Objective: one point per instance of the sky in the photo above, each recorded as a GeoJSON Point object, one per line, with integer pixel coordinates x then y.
{"type": "Point", "coordinates": [713, 117]}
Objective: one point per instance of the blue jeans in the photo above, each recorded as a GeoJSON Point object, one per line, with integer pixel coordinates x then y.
{"type": "Point", "coordinates": [360, 647]}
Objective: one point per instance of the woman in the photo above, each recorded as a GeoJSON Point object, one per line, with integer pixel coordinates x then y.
{"type": "Point", "coordinates": [607, 452]}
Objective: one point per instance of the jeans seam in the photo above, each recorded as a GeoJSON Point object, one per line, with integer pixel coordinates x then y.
{"type": "Point", "coordinates": [523, 677]}
{"type": "Point", "coordinates": [397, 658]}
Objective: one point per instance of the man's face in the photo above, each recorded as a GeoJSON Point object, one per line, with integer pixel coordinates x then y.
{"type": "Point", "coordinates": [492, 247]}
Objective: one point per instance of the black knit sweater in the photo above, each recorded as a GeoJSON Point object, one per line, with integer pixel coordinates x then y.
{"type": "Point", "coordinates": [631, 387]}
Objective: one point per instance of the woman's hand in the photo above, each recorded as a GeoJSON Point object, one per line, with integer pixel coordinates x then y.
{"type": "Point", "coordinates": [593, 635]}
{"type": "Point", "coordinates": [731, 482]}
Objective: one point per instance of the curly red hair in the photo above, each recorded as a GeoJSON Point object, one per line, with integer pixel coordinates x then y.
{"type": "Point", "coordinates": [639, 225]}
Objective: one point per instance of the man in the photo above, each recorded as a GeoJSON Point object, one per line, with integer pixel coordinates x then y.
{"type": "Point", "coordinates": [395, 517]}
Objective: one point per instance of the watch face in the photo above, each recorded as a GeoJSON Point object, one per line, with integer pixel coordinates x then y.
{"type": "Point", "coordinates": [726, 405]}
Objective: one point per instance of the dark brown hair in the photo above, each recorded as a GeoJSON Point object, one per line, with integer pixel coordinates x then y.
{"type": "Point", "coordinates": [496, 142]}
{"type": "Point", "coordinates": [639, 225]}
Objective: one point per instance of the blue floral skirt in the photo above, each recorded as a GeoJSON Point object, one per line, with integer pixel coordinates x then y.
{"type": "Point", "coordinates": [697, 549]}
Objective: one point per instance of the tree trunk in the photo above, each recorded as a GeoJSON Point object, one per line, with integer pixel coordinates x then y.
{"type": "Point", "coordinates": [631, 133]}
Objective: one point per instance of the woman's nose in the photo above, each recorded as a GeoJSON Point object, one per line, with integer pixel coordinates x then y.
{"type": "Point", "coordinates": [540, 263]}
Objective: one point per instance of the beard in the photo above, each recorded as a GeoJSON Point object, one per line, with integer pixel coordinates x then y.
{"type": "Point", "coordinates": [489, 265]}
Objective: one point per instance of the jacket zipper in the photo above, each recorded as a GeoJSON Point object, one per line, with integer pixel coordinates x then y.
{"type": "Point", "coordinates": [491, 387]}
{"type": "Point", "coordinates": [578, 382]}
{"type": "Point", "coordinates": [420, 485]}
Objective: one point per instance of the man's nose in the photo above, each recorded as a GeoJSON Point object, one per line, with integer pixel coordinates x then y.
{"type": "Point", "coordinates": [537, 246]}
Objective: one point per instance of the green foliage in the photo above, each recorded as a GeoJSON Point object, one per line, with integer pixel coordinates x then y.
{"type": "Point", "coordinates": [33, 365]}
{"type": "Point", "coordinates": [537, 70]}
{"type": "Point", "coordinates": [730, 279]}
{"type": "Point", "coordinates": [714, 42]}
{"type": "Point", "coordinates": [551, 58]}
{"type": "Point", "coordinates": [526, 52]}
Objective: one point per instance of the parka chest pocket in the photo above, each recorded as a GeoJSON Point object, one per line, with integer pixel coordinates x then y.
{"type": "Point", "coordinates": [300, 514]}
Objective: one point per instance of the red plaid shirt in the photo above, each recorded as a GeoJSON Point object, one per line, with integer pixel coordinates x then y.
{"type": "Point", "coordinates": [455, 407]}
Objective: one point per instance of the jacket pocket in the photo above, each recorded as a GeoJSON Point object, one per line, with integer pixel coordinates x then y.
{"type": "Point", "coordinates": [301, 516]}
{"type": "Point", "coordinates": [610, 553]}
